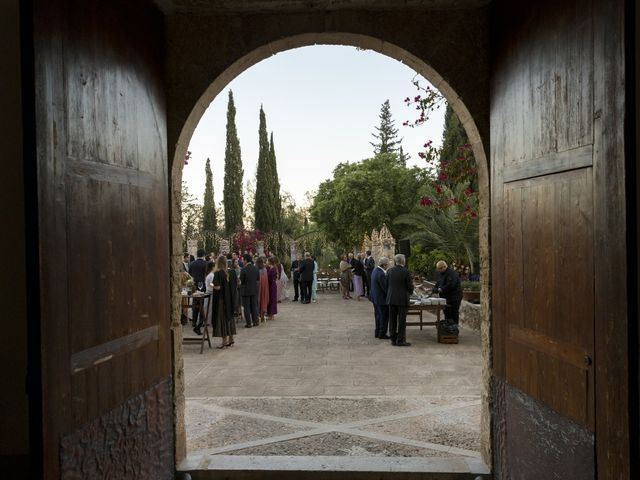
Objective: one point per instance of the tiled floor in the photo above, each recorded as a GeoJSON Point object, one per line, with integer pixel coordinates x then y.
{"type": "Point", "coordinates": [315, 382]}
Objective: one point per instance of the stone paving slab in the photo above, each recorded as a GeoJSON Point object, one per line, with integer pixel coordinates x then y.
{"type": "Point", "coordinates": [340, 444]}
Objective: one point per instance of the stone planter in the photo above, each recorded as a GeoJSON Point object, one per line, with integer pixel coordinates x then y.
{"type": "Point", "coordinates": [471, 295]}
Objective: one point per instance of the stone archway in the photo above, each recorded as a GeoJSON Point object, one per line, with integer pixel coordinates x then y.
{"type": "Point", "coordinates": [467, 120]}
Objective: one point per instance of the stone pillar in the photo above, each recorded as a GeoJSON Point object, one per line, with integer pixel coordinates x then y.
{"type": "Point", "coordinates": [224, 247]}
{"type": "Point", "coordinates": [260, 248]}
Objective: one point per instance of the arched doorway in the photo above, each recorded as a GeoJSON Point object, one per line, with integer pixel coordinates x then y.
{"type": "Point", "coordinates": [456, 102]}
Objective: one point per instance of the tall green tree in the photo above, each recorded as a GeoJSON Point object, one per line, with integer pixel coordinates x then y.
{"type": "Point", "coordinates": [364, 195]}
{"type": "Point", "coordinates": [275, 182]}
{"type": "Point", "coordinates": [386, 133]}
{"type": "Point", "coordinates": [191, 216]}
{"type": "Point", "coordinates": [233, 173]}
{"type": "Point", "coordinates": [264, 204]}
{"type": "Point", "coordinates": [209, 220]}
{"type": "Point", "coordinates": [456, 160]}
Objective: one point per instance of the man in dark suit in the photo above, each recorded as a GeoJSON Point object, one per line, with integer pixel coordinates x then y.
{"type": "Point", "coordinates": [378, 295]}
{"type": "Point", "coordinates": [306, 278]}
{"type": "Point", "coordinates": [249, 278]}
{"type": "Point", "coordinates": [369, 265]}
{"type": "Point", "coordinates": [295, 274]}
{"type": "Point", "coordinates": [198, 271]}
{"type": "Point", "coordinates": [399, 290]}
{"type": "Point", "coordinates": [449, 287]}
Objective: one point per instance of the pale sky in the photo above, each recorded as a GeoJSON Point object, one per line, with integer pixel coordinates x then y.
{"type": "Point", "coordinates": [322, 104]}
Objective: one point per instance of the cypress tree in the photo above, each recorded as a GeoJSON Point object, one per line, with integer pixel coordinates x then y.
{"type": "Point", "coordinates": [209, 221]}
{"type": "Point", "coordinates": [264, 207]}
{"type": "Point", "coordinates": [275, 183]}
{"type": "Point", "coordinates": [387, 134]}
{"type": "Point", "coordinates": [454, 136]}
{"type": "Point", "coordinates": [233, 200]}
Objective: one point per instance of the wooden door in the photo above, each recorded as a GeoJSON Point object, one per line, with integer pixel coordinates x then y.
{"type": "Point", "coordinates": [558, 240]}
{"type": "Point", "coordinates": [549, 290]}
{"type": "Point", "coordinates": [104, 236]}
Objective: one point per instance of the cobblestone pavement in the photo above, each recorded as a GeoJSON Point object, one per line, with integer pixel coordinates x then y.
{"type": "Point", "coordinates": [315, 382]}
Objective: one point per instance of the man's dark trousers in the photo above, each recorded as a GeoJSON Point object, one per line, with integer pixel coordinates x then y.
{"type": "Point", "coordinates": [381, 314]}
{"type": "Point", "coordinates": [305, 291]}
{"type": "Point", "coordinates": [296, 287]}
{"type": "Point", "coordinates": [250, 307]}
{"type": "Point", "coordinates": [366, 280]}
{"type": "Point", "coordinates": [452, 310]}
{"type": "Point", "coordinates": [398, 323]}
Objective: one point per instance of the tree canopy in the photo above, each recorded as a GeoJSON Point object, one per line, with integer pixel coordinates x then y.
{"type": "Point", "coordinates": [233, 199]}
{"type": "Point", "coordinates": [364, 195]}
{"type": "Point", "coordinates": [209, 220]}
{"type": "Point", "coordinates": [265, 205]}
{"type": "Point", "coordinates": [387, 134]}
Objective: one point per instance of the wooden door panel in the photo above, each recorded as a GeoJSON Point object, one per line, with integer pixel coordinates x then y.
{"type": "Point", "coordinates": [550, 290]}
{"type": "Point", "coordinates": [104, 230]}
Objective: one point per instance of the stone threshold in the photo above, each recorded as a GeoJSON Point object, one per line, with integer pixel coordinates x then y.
{"type": "Point", "coordinates": [236, 467]}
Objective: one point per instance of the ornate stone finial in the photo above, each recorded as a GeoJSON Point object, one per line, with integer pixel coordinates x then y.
{"type": "Point", "coordinates": [374, 236]}
{"type": "Point", "coordinates": [385, 234]}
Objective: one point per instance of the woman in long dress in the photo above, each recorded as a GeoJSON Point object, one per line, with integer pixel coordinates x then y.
{"type": "Point", "coordinates": [345, 277]}
{"type": "Point", "coordinates": [263, 289]}
{"type": "Point", "coordinates": [314, 284]}
{"type": "Point", "coordinates": [272, 275]}
{"type": "Point", "coordinates": [358, 273]}
{"type": "Point", "coordinates": [225, 287]}
{"type": "Point", "coordinates": [283, 294]}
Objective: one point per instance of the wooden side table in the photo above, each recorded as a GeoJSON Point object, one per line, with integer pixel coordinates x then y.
{"type": "Point", "coordinates": [188, 303]}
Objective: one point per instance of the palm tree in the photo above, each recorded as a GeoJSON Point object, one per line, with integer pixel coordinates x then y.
{"type": "Point", "coordinates": [449, 229]}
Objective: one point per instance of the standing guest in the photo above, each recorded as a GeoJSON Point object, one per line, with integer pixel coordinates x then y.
{"type": "Point", "coordinates": [207, 258]}
{"type": "Point", "coordinates": [272, 275]}
{"type": "Point", "coordinates": [358, 273]}
{"type": "Point", "coordinates": [198, 271]}
{"type": "Point", "coordinates": [449, 287]}
{"type": "Point", "coordinates": [378, 295]}
{"type": "Point", "coordinates": [278, 282]}
{"type": "Point", "coordinates": [235, 265]}
{"type": "Point", "coordinates": [249, 278]}
{"type": "Point", "coordinates": [369, 265]}
{"type": "Point", "coordinates": [225, 284]}
{"type": "Point", "coordinates": [400, 288]}
{"type": "Point", "coordinates": [345, 276]}
{"type": "Point", "coordinates": [352, 262]}
{"type": "Point", "coordinates": [314, 283]}
{"type": "Point", "coordinates": [283, 294]}
{"type": "Point", "coordinates": [208, 282]}
{"type": "Point", "coordinates": [295, 274]}
{"type": "Point", "coordinates": [263, 289]}
{"type": "Point", "coordinates": [306, 277]}
{"type": "Point", "coordinates": [185, 262]}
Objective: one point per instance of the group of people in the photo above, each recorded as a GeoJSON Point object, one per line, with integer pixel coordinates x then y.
{"type": "Point", "coordinates": [305, 278]}
{"type": "Point", "coordinates": [355, 275]}
{"type": "Point", "coordinates": [391, 290]}
{"type": "Point", "coordinates": [235, 284]}
{"type": "Point", "coordinates": [238, 285]}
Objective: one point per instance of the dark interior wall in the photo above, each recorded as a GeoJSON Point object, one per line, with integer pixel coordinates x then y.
{"type": "Point", "coordinates": [203, 48]}
{"type": "Point", "coordinates": [559, 256]}
{"type": "Point", "coordinates": [103, 239]}
{"type": "Point", "coordinates": [14, 438]}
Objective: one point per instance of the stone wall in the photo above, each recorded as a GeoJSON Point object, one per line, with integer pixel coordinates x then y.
{"type": "Point", "coordinates": [470, 316]}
